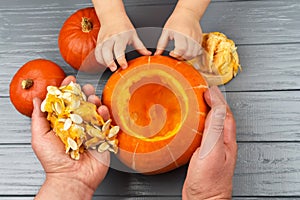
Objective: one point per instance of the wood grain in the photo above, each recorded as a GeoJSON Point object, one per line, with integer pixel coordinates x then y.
{"type": "Point", "coordinates": [264, 97]}
{"type": "Point", "coordinates": [262, 169]}
{"type": "Point", "coordinates": [31, 32]}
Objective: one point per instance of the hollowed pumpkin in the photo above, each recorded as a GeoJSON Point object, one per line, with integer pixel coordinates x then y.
{"type": "Point", "coordinates": [158, 104]}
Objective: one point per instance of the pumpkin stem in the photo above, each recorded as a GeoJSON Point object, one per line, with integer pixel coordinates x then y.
{"type": "Point", "coordinates": [86, 25]}
{"type": "Point", "coordinates": [27, 83]}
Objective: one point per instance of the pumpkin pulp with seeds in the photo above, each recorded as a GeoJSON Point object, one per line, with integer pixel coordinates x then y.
{"type": "Point", "coordinates": [76, 121]}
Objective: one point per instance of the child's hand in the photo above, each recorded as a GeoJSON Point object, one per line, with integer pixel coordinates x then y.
{"type": "Point", "coordinates": [184, 28]}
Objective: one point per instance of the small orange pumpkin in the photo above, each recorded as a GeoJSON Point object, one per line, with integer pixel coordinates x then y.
{"type": "Point", "coordinates": [158, 104]}
{"type": "Point", "coordinates": [31, 81]}
{"type": "Point", "coordinates": [77, 40]}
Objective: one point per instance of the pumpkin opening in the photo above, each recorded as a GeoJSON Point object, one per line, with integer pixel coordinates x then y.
{"type": "Point", "coordinates": [155, 101]}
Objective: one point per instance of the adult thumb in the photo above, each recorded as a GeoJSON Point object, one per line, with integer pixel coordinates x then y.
{"type": "Point", "coordinates": [39, 123]}
{"type": "Point", "coordinates": [214, 124]}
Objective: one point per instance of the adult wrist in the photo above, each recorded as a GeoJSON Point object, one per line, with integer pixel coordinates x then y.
{"type": "Point", "coordinates": [60, 188]}
{"type": "Point", "coordinates": [190, 194]}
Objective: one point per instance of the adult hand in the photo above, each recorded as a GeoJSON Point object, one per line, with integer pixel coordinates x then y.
{"type": "Point", "coordinates": [65, 177]}
{"type": "Point", "coordinates": [212, 165]}
{"type": "Point", "coordinates": [115, 34]}
{"type": "Point", "coordinates": [184, 28]}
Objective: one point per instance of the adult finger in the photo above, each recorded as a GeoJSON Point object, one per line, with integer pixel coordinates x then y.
{"type": "Point", "coordinates": [95, 100]}
{"type": "Point", "coordinates": [162, 42]}
{"type": "Point", "coordinates": [68, 80]}
{"type": "Point", "coordinates": [88, 89]}
{"type": "Point", "coordinates": [214, 124]}
{"type": "Point", "coordinates": [103, 112]}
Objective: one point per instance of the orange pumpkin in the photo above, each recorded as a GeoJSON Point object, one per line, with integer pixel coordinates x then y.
{"type": "Point", "coordinates": [77, 40]}
{"type": "Point", "coordinates": [31, 80]}
{"type": "Point", "coordinates": [158, 104]}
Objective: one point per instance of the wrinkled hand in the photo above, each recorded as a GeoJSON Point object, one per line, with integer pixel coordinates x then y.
{"type": "Point", "coordinates": [115, 34]}
{"type": "Point", "coordinates": [212, 165]}
{"type": "Point", "coordinates": [61, 171]}
{"type": "Point", "coordinates": [184, 28]}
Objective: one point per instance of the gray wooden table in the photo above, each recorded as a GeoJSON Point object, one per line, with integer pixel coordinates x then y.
{"type": "Point", "coordinates": [265, 97]}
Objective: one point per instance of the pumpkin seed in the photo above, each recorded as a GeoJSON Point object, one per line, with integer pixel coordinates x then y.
{"type": "Point", "coordinates": [76, 118]}
{"type": "Point", "coordinates": [106, 125]}
{"type": "Point", "coordinates": [93, 132]}
{"type": "Point", "coordinates": [72, 144]}
{"type": "Point", "coordinates": [113, 131]}
{"type": "Point", "coordinates": [61, 119]}
{"type": "Point", "coordinates": [74, 155]}
{"type": "Point", "coordinates": [53, 90]}
{"type": "Point", "coordinates": [74, 105]}
{"type": "Point", "coordinates": [43, 105]}
{"type": "Point", "coordinates": [66, 96]}
{"type": "Point", "coordinates": [103, 147]}
{"type": "Point", "coordinates": [93, 142]}
{"type": "Point", "coordinates": [68, 124]}
{"type": "Point", "coordinates": [57, 107]}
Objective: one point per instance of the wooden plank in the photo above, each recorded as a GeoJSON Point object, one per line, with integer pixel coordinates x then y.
{"type": "Point", "coordinates": [96, 197]}
{"type": "Point", "coordinates": [266, 116]}
{"type": "Point", "coordinates": [260, 116]}
{"type": "Point", "coordinates": [265, 67]}
{"type": "Point", "coordinates": [262, 169]}
{"type": "Point", "coordinates": [31, 31]}
{"type": "Point", "coordinates": [247, 22]}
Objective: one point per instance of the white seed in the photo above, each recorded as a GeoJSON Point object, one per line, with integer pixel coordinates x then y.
{"type": "Point", "coordinates": [74, 105]}
{"type": "Point", "coordinates": [113, 131]}
{"type": "Point", "coordinates": [57, 107]}
{"type": "Point", "coordinates": [66, 96]}
{"type": "Point", "coordinates": [53, 90]}
{"type": "Point", "coordinates": [74, 155]}
{"type": "Point", "coordinates": [78, 128]}
{"type": "Point", "coordinates": [72, 144]}
{"type": "Point", "coordinates": [61, 120]}
{"type": "Point", "coordinates": [68, 149]}
{"type": "Point", "coordinates": [111, 142]}
{"type": "Point", "coordinates": [93, 142]}
{"type": "Point", "coordinates": [106, 125]}
{"type": "Point", "coordinates": [97, 127]}
{"type": "Point", "coordinates": [93, 132]}
{"type": "Point", "coordinates": [76, 118]}
{"type": "Point", "coordinates": [43, 105]}
{"type": "Point", "coordinates": [68, 124]}
{"type": "Point", "coordinates": [103, 147]}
